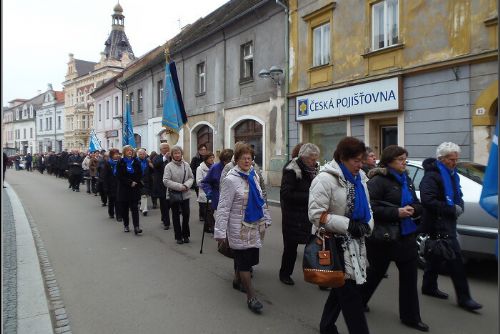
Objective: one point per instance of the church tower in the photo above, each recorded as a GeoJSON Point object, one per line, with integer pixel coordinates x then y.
{"type": "Point", "coordinates": [117, 46]}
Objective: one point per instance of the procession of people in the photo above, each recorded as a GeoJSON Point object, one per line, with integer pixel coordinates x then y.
{"type": "Point", "coordinates": [371, 211]}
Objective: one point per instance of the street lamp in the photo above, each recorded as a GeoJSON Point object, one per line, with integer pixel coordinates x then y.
{"type": "Point", "coordinates": [274, 73]}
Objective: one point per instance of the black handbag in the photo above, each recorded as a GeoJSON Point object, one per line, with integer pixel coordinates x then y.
{"type": "Point", "coordinates": [224, 249]}
{"type": "Point", "coordinates": [175, 196]}
{"type": "Point", "coordinates": [321, 263]}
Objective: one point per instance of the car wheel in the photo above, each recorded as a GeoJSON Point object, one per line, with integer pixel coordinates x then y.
{"type": "Point", "coordinates": [421, 239]}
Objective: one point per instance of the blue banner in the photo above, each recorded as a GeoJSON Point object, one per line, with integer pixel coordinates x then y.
{"type": "Point", "coordinates": [489, 194]}
{"type": "Point", "coordinates": [174, 114]}
{"type": "Point", "coordinates": [128, 130]}
{"type": "Point", "coordinates": [94, 143]}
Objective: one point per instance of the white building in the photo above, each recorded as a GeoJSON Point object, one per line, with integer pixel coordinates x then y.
{"type": "Point", "coordinates": [8, 143]}
{"type": "Point", "coordinates": [108, 114]}
{"type": "Point", "coordinates": [24, 124]}
{"type": "Point", "coordinates": [50, 122]}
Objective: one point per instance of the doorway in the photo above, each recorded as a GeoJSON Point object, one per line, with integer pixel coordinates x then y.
{"type": "Point", "coordinates": [388, 136]}
{"type": "Point", "coordinates": [250, 131]}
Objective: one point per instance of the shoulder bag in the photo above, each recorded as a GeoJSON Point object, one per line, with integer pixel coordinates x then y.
{"type": "Point", "coordinates": [321, 263]}
{"type": "Point", "coordinates": [386, 232]}
{"type": "Point", "coordinates": [175, 196]}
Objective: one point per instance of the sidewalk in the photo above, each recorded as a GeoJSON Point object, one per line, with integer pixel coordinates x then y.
{"type": "Point", "coordinates": [273, 195]}
{"type": "Point", "coordinates": [25, 303]}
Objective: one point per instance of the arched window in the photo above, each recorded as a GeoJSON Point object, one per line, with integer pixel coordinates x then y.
{"type": "Point", "coordinates": [205, 135]}
{"type": "Point", "coordinates": [250, 131]}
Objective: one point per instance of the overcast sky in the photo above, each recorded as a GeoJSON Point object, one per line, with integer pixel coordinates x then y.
{"type": "Point", "coordinates": [39, 35]}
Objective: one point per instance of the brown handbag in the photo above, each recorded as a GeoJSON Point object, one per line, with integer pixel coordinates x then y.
{"type": "Point", "coordinates": [321, 262]}
{"type": "Point", "coordinates": [224, 249]}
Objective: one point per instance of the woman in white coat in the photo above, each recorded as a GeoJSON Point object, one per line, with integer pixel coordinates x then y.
{"type": "Point", "coordinates": [243, 216]}
{"type": "Point", "coordinates": [339, 201]}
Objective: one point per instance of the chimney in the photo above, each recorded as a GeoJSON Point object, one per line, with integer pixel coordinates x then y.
{"type": "Point", "coordinates": [49, 86]}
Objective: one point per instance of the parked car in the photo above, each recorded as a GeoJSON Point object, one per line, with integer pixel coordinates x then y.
{"type": "Point", "coordinates": [477, 230]}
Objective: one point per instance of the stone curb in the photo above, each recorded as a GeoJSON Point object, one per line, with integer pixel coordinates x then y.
{"type": "Point", "coordinates": [57, 310]}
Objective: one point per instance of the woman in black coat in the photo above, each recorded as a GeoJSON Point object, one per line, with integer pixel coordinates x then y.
{"type": "Point", "coordinates": [158, 188]}
{"type": "Point", "coordinates": [129, 175]}
{"type": "Point", "coordinates": [110, 183]}
{"type": "Point", "coordinates": [294, 197]}
{"type": "Point", "coordinates": [394, 202]}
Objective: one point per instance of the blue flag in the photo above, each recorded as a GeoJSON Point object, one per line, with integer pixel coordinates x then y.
{"type": "Point", "coordinates": [489, 194]}
{"type": "Point", "coordinates": [128, 130]}
{"type": "Point", "coordinates": [94, 142]}
{"type": "Point", "coordinates": [174, 114]}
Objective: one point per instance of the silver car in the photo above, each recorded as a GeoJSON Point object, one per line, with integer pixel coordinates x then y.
{"type": "Point", "coordinates": [477, 230]}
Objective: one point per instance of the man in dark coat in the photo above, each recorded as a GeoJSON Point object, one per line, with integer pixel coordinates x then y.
{"type": "Point", "coordinates": [158, 189]}
{"type": "Point", "coordinates": [63, 163]}
{"type": "Point", "coordinates": [294, 197]}
{"type": "Point", "coordinates": [75, 170]}
{"type": "Point", "coordinates": [5, 162]}
{"type": "Point", "coordinates": [29, 161]}
{"type": "Point", "coordinates": [101, 161]}
{"type": "Point", "coordinates": [443, 203]}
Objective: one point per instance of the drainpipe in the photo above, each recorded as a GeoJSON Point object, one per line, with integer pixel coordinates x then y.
{"type": "Point", "coordinates": [153, 108]}
{"type": "Point", "coordinates": [287, 47]}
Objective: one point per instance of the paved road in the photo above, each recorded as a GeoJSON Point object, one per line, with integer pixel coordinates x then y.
{"type": "Point", "coordinates": [113, 282]}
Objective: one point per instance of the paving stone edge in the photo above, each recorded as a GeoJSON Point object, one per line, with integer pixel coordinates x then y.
{"type": "Point", "coordinates": [58, 314]}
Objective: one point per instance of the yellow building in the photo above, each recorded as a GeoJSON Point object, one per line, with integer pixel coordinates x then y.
{"type": "Point", "coordinates": [413, 73]}
{"type": "Point", "coordinates": [83, 77]}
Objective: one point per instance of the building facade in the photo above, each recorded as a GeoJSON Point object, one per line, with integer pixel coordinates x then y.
{"type": "Point", "coordinates": [50, 122]}
{"type": "Point", "coordinates": [394, 72]}
{"type": "Point", "coordinates": [225, 99]}
{"type": "Point", "coordinates": [83, 77]}
{"type": "Point", "coordinates": [24, 126]}
{"type": "Point", "coordinates": [8, 135]}
{"type": "Point", "coordinates": [108, 114]}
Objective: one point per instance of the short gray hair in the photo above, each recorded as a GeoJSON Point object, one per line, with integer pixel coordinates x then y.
{"type": "Point", "coordinates": [176, 148]}
{"type": "Point", "coordinates": [308, 149]}
{"type": "Point", "coordinates": [446, 148]}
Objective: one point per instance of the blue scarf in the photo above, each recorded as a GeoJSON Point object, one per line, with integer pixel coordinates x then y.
{"type": "Point", "coordinates": [144, 164]}
{"type": "Point", "coordinates": [452, 194]}
{"type": "Point", "coordinates": [129, 162]}
{"type": "Point", "coordinates": [407, 224]}
{"type": "Point", "coordinates": [254, 211]}
{"type": "Point", "coordinates": [361, 208]}
{"type": "Point", "coordinates": [113, 166]}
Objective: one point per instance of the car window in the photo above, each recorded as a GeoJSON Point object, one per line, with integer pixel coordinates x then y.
{"type": "Point", "coordinates": [418, 178]}
{"type": "Point", "coordinates": [473, 171]}
{"type": "Point", "coordinates": [411, 171]}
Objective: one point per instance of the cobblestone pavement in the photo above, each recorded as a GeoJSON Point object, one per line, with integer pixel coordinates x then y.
{"type": "Point", "coordinates": [9, 268]}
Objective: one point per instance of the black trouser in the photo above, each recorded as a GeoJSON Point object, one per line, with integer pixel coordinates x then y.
{"type": "Point", "coordinates": [28, 167]}
{"type": "Point", "coordinates": [113, 207]}
{"type": "Point", "coordinates": [165, 211]}
{"type": "Point", "coordinates": [133, 206]}
{"type": "Point", "coordinates": [91, 184]}
{"type": "Point", "coordinates": [456, 270]}
{"type": "Point", "coordinates": [155, 201]}
{"type": "Point", "coordinates": [289, 256]}
{"type": "Point", "coordinates": [203, 210]}
{"type": "Point", "coordinates": [177, 208]}
{"type": "Point", "coordinates": [209, 219]}
{"type": "Point", "coordinates": [379, 260]}
{"type": "Point", "coordinates": [348, 300]}
{"type": "Point", "coordinates": [74, 181]}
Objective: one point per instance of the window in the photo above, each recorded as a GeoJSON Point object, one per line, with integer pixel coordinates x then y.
{"type": "Point", "coordinates": [321, 45]}
{"type": "Point", "coordinates": [46, 124]}
{"type": "Point", "coordinates": [41, 124]}
{"type": "Point", "coordinates": [131, 102]}
{"type": "Point", "coordinates": [246, 62]}
{"type": "Point", "coordinates": [201, 80]}
{"type": "Point", "coordinates": [58, 122]}
{"type": "Point", "coordinates": [100, 112]}
{"type": "Point", "coordinates": [31, 111]}
{"type": "Point", "coordinates": [31, 133]}
{"type": "Point", "coordinates": [139, 100]}
{"type": "Point", "coordinates": [24, 133]}
{"type": "Point", "coordinates": [385, 24]}
{"type": "Point", "coordinates": [116, 105]}
{"type": "Point", "coordinates": [50, 123]}
{"type": "Point", "coordinates": [107, 109]}
{"type": "Point", "coordinates": [159, 94]}
{"type": "Point", "coordinates": [84, 122]}
{"type": "Point", "coordinates": [326, 135]}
